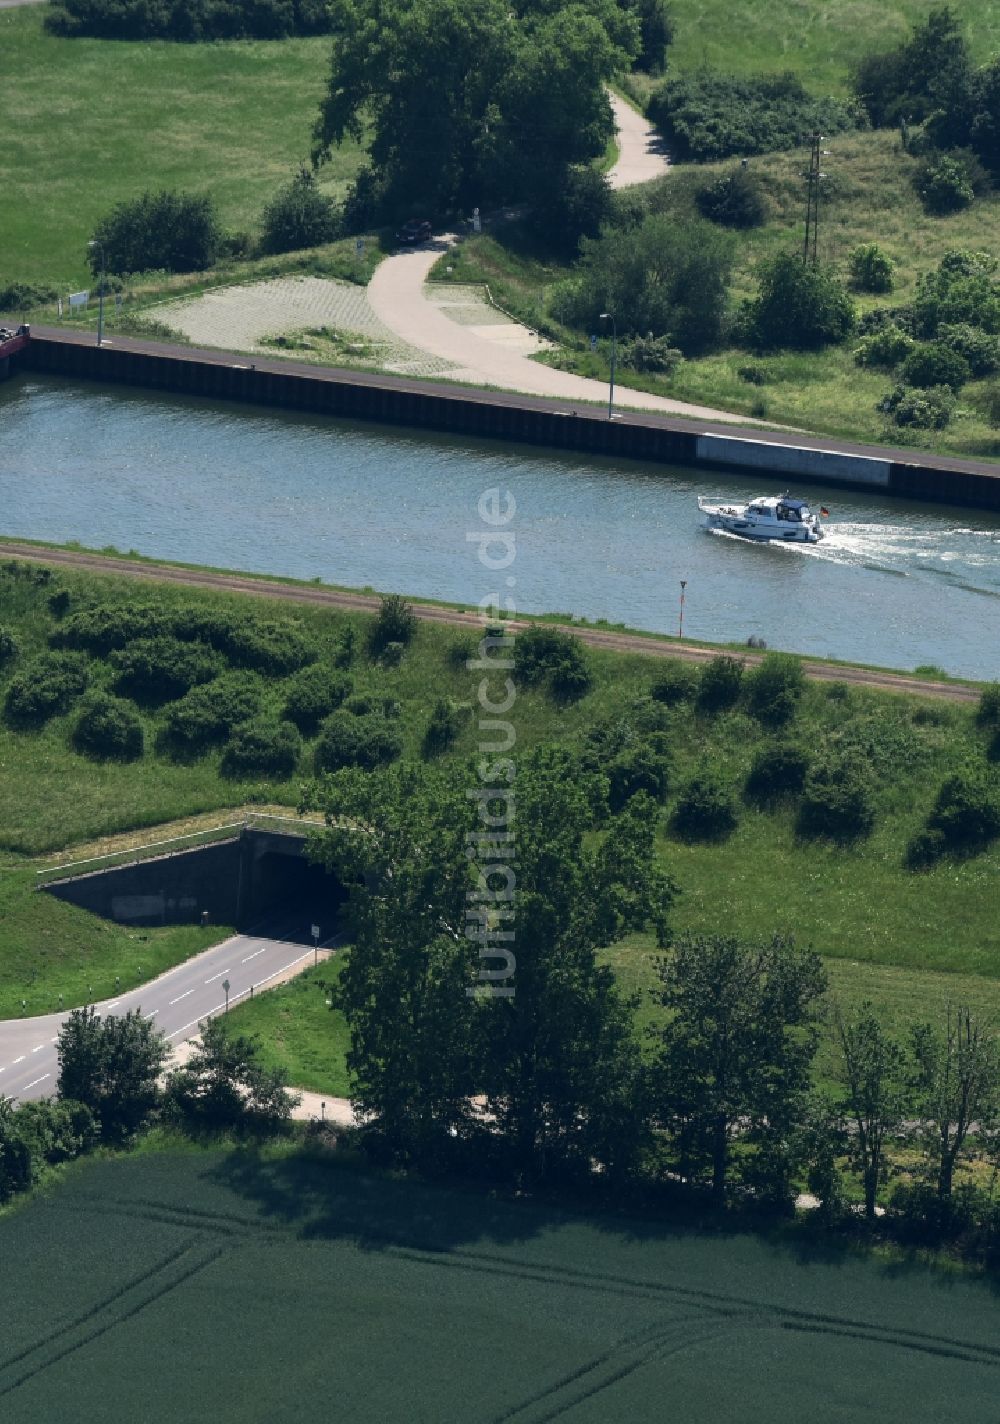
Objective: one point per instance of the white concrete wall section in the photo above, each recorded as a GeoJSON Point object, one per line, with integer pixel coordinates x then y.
{"type": "Point", "coordinates": [794, 460]}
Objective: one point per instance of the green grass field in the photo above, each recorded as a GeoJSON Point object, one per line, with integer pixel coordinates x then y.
{"type": "Point", "coordinates": [855, 903]}
{"type": "Point", "coordinates": [868, 197]}
{"type": "Point", "coordinates": [90, 123]}
{"type": "Point", "coordinates": [280, 1288]}
{"type": "Point", "coordinates": [820, 42]}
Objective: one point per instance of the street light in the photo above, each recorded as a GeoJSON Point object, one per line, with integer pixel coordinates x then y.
{"type": "Point", "coordinates": [607, 316]}
{"type": "Point", "coordinates": [100, 294]}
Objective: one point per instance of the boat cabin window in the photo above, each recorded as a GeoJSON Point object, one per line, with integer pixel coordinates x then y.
{"type": "Point", "coordinates": [793, 515]}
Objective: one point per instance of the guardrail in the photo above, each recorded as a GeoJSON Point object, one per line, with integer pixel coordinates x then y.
{"type": "Point", "coordinates": [149, 850]}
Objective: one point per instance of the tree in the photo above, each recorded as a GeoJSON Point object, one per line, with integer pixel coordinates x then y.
{"type": "Point", "coordinates": [111, 1065]}
{"type": "Point", "coordinates": [797, 306]}
{"type": "Point", "coordinates": [736, 1053]}
{"type": "Point", "coordinates": [299, 215]}
{"type": "Point", "coordinates": [872, 1075]}
{"type": "Point", "coordinates": [400, 843]}
{"type": "Point", "coordinates": [958, 1086]}
{"type": "Point", "coordinates": [471, 103]}
{"type": "Point", "coordinates": [225, 1085]}
{"type": "Point", "coordinates": [178, 232]}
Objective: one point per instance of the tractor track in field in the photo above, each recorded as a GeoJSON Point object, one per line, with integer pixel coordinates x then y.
{"type": "Point", "coordinates": [648, 645]}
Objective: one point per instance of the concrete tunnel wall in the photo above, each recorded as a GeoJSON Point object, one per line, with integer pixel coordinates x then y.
{"type": "Point", "coordinates": [236, 881]}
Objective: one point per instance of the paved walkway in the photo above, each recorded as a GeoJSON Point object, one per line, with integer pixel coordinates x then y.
{"type": "Point", "coordinates": [642, 155]}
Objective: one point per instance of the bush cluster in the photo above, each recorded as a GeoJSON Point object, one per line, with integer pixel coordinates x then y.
{"type": "Point", "coordinates": [37, 1135]}
{"type": "Point", "coordinates": [208, 713]}
{"type": "Point", "coordinates": [299, 215]}
{"type": "Point", "coordinates": [366, 741]}
{"type": "Point", "coordinates": [312, 694]}
{"type": "Point", "coordinates": [642, 767]}
{"type": "Point", "coordinates": [734, 199]}
{"type": "Point", "coordinates": [8, 647]}
{"type": "Point", "coordinates": [933, 363]}
{"type": "Point", "coordinates": [394, 624]}
{"type": "Point", "coordinates": [705, 809]}
{"type": "Point", "coordinates": [649, 353]}
{"type": "Point", "coordinates": [943, 184]}
{"type": "Point", "coordinates": [707, 115]}
{"type": "Point", "coordinates": [837, 800]}
{"type": "Point", "coordinates": [677, 682]}
{"type": "Point", "coordinates": [543, 654]}
{"type": "Point", "coordinates": [153, 670]}
{"type": "Point", "coordinates": [929, 409]}
{"type": "Point", "coordinates": [965, 818]}
{"type": "Point", "coordinates": [269, 748]}
{"type": "Point", "coordinates": [979, 349]}
{"type": "Point", "coordinates": [108, 729]}
{"type": "Point", "coordinates": [798, 306]}
{"type": "Point", "coordinates": [778, 771]}
{"type": "Point", "coordinates": [871, 269]}
{"type": "Point", "coordinates": [48, 685]}
{"type": "Point", "coordinates": [189, 20]}
{"type": "Point", "coordinates": [720, 684]}
{"type": "Point", "coordinates": [885, 347]}
{"type": "Point", "coordinates": [772, 689]}
{"type": "Point", "coordinates": [175, 232]}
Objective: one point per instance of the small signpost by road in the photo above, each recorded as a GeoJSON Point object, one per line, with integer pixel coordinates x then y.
{"type": "Point", "coordinates": [78, 299]}
{"type": "Point", "coordinates": [225, 985]}
{"type": "Point", "coordinates": [359, 248]}
{"type": "Point", "coordinates": [477, 222]}
{"type": "Point", "coordinates": [314, 930]}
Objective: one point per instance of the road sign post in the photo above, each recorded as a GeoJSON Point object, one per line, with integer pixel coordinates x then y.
{"type": "Point", "coordinates": [225, 985]}
{"type": "Point", "coordinates": [314, 930]}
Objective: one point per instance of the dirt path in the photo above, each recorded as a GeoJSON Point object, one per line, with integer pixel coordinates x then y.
{"type": "Point", "coordinates": [648, 645]}
{"type": "Point", "coordinates": [641, 152]}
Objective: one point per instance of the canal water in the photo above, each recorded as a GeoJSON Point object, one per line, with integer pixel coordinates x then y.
{"type": "Point", "coordinates": [894, 583]}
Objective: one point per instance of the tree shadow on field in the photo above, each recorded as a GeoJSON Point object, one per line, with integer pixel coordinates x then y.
{"type": "Point", "coordinates": [754, 1258]}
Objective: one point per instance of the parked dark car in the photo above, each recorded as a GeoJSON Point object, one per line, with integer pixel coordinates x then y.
{"type": "Point", "coordinates": [415, 231]}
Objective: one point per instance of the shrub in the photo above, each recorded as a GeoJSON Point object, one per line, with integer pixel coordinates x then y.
{"type": "Point", "coordinates": [988, 711]}
{"type": "Point", "coordinates": [933, 363]}
{"type": "Point", "coordinates": [923, 409]}
{"type": "Point", "coordinates": [542, 652]}
{"type": "Point", "coordinates": [59, 601]}
{"type": "Point", "coordinates": [961, 290]}
{"type": "Point", "coordinates": [979, 349]}
{"type": "Point", "coordinates": [299, 216]}
{"type": "Point", "coordinates": [312, 694]}
{"type": "Point", "coordinates": [108, 729]}
{"type": "Point", "coordinates": [367, 742]}
{"type": "Point", "coordinates": [943, 184]}
{"type": "Point", "coordinates": [395, 622]}
{"type": "Point", "coordinates": [734, 199]}
{"type": "Point", "coordinates": [178, 232]}
{"type": "Point", "coordinates": [885, 347]}
{"type": "Point", "coordinates": [836, 801]}
{"type": "Point", "coordinates": [110, 625]}
{"type": "Point", "coordinates": [571, 679]}
{"type": "Point", "coordinates": [705, 810]}
{"type": "Point", "coordinates": [567, 211]}
{"type": "Point", "coordinates": [49, 684]}
{"type": "Point", "coordinates": [8, 646]}
{"type": "Point", "coordinates": [719, 684]}
{"type": "Point", "coordinates": [160, 669]}
{"type": "Point", "coordinates": [343, 653]}
{"type": "Point", "coordinates": [444, 726]}
{"type": "Point", "coordinates": [189, 20]}
{"type": "Point", "coordinates": [777, 771]}
{"type": "Point", "coordinates": [967, 810]}
{"type": "Point", "coordinates": [676, 682]}
{"type": "Point", "coordinates": [18, 297]}
{"type": "Point", "coordinates": [639, 768]}
{"type": "Point", "coordinates": [707, 115]}
{"type": "Point", "coordinates": [650, 353]}
{"type": "Point", "coordinates": [871, 269]}
{"type": "Point", "coordinates": [207, 713]}
{"type": "Point", "coordinates": [656, 31]}
{"type": "Point", "coordinates": [773, 688]}
{"type": "Point", "coordinates": [272, 646]}
{"type": "Point", "coordinates": [262, 749]}
{"type": "Point", "coordinates": [797, 306]}
{"type": "Point", "coordinates": [664, 277]}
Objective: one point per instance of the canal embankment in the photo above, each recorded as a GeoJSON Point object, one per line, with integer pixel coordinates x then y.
{"type": "Point", "coordinates": [498, 415]}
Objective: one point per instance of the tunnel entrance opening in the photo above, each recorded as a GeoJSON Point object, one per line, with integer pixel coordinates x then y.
{"type": "Point", "coordinates": [289, 896]}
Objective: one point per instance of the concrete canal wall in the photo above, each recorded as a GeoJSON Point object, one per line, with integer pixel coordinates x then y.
{"type": "Point", "coordinates": [496, 415]}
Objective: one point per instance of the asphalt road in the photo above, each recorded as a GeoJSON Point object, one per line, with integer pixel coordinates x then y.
{"type": "Point", "coordinates": [178, 1001]}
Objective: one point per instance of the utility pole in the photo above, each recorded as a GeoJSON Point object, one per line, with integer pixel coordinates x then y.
{"type": "Point", "coordinates": [810, 249]}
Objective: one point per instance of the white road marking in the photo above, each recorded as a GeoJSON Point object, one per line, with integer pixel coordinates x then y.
{"type": "Point", "coordinates": [153, 1014]}
{"type": "Point", "coordinates": [254, 955]}
{"type": "Point", "coordinates": [38, 1048]}
{"type": "Point", "coordinates": [113, 1005]}
{"type": "Point", "coordinates": [36, 1082]}
{"type": "Point", "coordinates": [242, 994]}
{"type": "Point", "coordinates": [217, 976]}
{"type": "Point", "coordinates": [179, 998]}
{"type": "Point", "coordinates": [19, 1060]}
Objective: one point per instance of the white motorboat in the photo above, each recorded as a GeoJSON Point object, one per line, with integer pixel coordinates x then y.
{"type": "Point", "coordinates": [779, 517]}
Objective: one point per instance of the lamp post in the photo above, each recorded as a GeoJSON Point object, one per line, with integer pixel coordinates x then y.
{"type": "Point", "coordinates": [100, 293]}
{"type": "Point", "coordinates": [607, 316]}
{"type": "Point", "coordinates": [680, 626]}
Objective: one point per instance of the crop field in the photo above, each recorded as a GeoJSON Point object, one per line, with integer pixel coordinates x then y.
{"type": "Point", "coordinates": [245, 1288]}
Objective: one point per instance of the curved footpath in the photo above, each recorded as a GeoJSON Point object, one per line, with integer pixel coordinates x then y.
{"type": "Point", "coordinates": [619, 642]}
{"type": "Point", "coordinates": [397, 296]}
